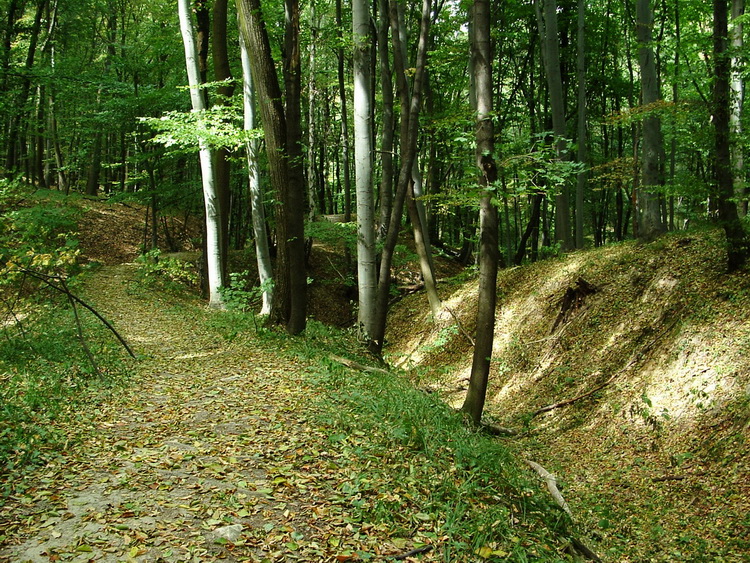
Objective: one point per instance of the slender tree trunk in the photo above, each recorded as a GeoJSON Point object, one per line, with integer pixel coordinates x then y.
{"type": "Point", "coordinates": [312, 101]}
{"type": "Point", "coordinates": [737, 241]}
{"type": "Point", "coordinates": [409, 151]}
{"type": "Point", "coordinates": [650, 223]}
{"type": "Point", "coordinates": [737, 99]}
{"type": "Point", "coordinates": [582, 152]}
{"type": "Point", "coordinates": [290, 296]}
{"type": "Point", "coordinates": [366, 266]}
{"type": "Point", "coordinates": [386, 144]}
{"type": "Point", "coordinates": [344, 120]}
{"type": "Point", "coordinates": [488, 229]}
{"type": "Point", "coordinates": [551, 55]}
{"type": "Point", "coordinates": [295, 203]}
{"type": "Point", "coordinates": [210, 197]}
{"type": "Point", "coordinates": [262, 253]}
{"type": "Point", "coordinates": [11, 162]}
{"type": "Point", "coordinates": [222, 164]}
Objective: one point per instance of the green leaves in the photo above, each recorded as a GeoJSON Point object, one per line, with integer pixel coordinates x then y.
{"type": "Point", "coordinates": [218, 127]}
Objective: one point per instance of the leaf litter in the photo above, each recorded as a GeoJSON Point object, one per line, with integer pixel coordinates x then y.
{"type": "Point", "coordinates": [212, 453]}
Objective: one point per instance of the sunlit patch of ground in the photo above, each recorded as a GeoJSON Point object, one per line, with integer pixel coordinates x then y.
{"type": "Point", "coordinates": [656, 461]}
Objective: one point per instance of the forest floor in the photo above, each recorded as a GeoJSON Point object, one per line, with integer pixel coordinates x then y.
{"type": "Point", "coordinates": [625, 371]}
{"type": "Point", "coordinates": [222, 444]}
{"type": "Point", "coordinates": [212, 452]}
{"type": "Point", "coordinates": [219, 448]}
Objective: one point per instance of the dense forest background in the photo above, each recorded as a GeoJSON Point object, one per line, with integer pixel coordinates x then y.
{"type": "Point", "coordinates": [412, 148]}
{"type": "Point", "coordinates": [80, 77]}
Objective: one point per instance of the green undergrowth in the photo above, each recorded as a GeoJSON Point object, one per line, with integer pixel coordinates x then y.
{"type": "Point", "coordinates": [420, 469]}
{"type": "Point", "coordinates": [47, 380]}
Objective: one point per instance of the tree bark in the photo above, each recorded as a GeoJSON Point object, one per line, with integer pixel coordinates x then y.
{"type": "Point", "coordinates": [262, 253]}
{"type": "Point", "coordinates": [737, 242]}
{"type": "Point", "coordinates": [366, 266]}
{"type": "Point", "coordinates": [344, 120]}
{"type": "Point", "coordinates": [386, 143]}
{"type": "Point", "coordinates": [222, 72]}
{"type": "Point", "coordinates": [210, 197]}
{"type": "Point", "coordinates": [548, 30]}
{"type": "Point", "coordinates": [488, 230]}
{"type": "Point", "coordinates": [290, 296]}
{"type": "Point", "coordinates": [582, 152]}
{"type": "Point", "coordinates": [408, 152]}
{"type": "Point", "coordinates": [737, 99]}
{"type": "Point", "coordinates": [650, 223]}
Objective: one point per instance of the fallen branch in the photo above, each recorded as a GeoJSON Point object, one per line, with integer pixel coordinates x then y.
{"type": "Point", "coordinates": [497, 430]}
{"type": "Point", "coordinates": [356, 365]}
{"type": "Point", "coordinates": [460, 326]}
{"type": "Point", "coordinates": [79, 329]}
{"type": "Point", "coordinates": [551, 482]}
{"type": "Point", "coordinates": [50, 281]}
{"type": "Point", "coordinates": [413, 552]}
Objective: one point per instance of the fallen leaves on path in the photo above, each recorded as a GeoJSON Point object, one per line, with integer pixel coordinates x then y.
{"type": "Point", "coordinates": [212, 453]}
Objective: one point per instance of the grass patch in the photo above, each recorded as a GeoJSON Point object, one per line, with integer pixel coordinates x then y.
{"type": "Point", "coordinates": [412, 465]}
{"type": "Point", "coordinates": [46, 379]}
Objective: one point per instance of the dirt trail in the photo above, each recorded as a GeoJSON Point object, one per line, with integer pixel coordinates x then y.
{"type": "Point", "coordinates": [211, 455]}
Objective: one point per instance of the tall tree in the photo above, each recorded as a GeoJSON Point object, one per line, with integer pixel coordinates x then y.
{"type": "Point", "coordinates": [344, 116]}
{"type": "Point", "coordinates": [214, 254]}
{"type": "Point", "coordinates": [262, 253]}
{"type": "Point", "coordinates": [548, 30]}
{"type": "Point", "coordinates": [489, 253]}
{"type": "Point", "coordinates": [409, 134]}
{"type": "Point", "coordinates": [366, 266]}
{"type": "Point", "coordinates": [737, 242]}
{"type": "Point", "coordinates": [284, 157]}
{"type": "Point", "coordinates": [650, 222]}
{"type": "Point", "coordinates": [738, 96]}
{"type": "Point", "coordinates": [582, 149]}
{"type": "Point", "coordinates": [223, 74]}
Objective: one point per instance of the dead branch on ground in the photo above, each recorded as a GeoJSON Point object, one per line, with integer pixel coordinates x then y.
{"type": "Point", "coordinates": [356, 365]}
{"type": "Point", "coordinates": [460, 326]}
{"type": "Point", "coordinates": [550, 482]}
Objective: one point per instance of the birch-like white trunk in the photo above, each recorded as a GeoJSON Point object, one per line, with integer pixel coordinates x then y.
{"type": "Point", "coordinates": [738, 94]}
{"type": "Point", "coordinates": [210, 197]}
{"type": "Point", "coordinates": [262, 253]}
{"type": "Point", "coordinates": [366, 267]}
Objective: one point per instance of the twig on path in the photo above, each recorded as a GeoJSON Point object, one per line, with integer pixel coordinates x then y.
{"type": "Point", "coordinates": [50, 281]}
{"type": "Point", "coordinates": [356, 365]}
{"type": "Point", "coordinates": [79, 328]}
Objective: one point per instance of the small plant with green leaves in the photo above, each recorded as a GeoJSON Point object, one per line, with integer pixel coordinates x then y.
{"type": "Point", "coordinates": [171, 273]}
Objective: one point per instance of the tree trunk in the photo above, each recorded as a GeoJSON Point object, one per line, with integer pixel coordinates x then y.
{"type": "Point", "coordinates": [290, 296]}
{"type": "Point", "coordinates": [262, 253]}
{"type": "Point", "coordinates": [408, 151]}
{"type": "Point", "coordinates": [214, 256]}
{"type": "Point", "coordinates": [551, 55]}
{"type": "Point", "coordinates": [222, 164]}
{"type": "Point", "coordinates": [386, 144]}
{"type": "Point", "coordinates": [366, 266]}
{"type": "Point", "coordinates": [737, 242]}
{"type": "Point", "coordinates": [488, 229]}
{"type": "Point", "coordinates": [582, 152]}
{"type": "Point", "coordinates": [344, 120]}
{"type": "Point", "coordinates": [737, 98]}
{"type": "Point", "coordinates": [295, 203]}
{"type": "Point", "coordinates": [11, 161]}
{"type": "Point", "coordinates": [650, 223]}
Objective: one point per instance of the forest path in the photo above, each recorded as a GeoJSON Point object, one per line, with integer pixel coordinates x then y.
{"type": "Point", "coordinates": [211, 454]}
